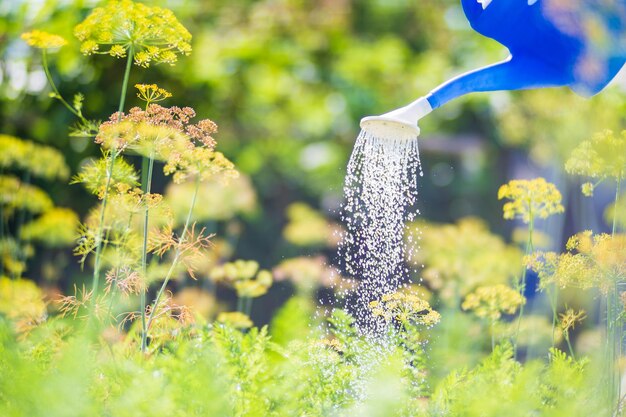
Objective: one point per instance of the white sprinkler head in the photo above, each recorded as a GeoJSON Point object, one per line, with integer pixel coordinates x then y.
{"type": "Point", "coordinates": [398, 124]}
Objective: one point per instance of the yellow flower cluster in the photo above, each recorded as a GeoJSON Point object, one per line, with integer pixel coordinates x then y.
{"type": "Point", "coordinates": [57, 227]}
{"type": "Point", "coordinates": [306, 226]}
{"type": "Point", "coordinates": [152, 93]}
{"type": "Point", "coordinates": [153, 34]}
{"type": "Point", "coordinates": [236, 319]}
{"type": "Point", "coordinates": [604, 156]}
{"type": "Point", "coordinates": [455, 256]}
{"type": "Point", "coordinates": [39, 160]}
{"type": "Point", "coordinates": [306, 273]}
{"type": "Point", "coordinates": [93, 175]}
{"type": "Point", "coordinates": [592, 261]}
{"type": "Point", "coordinates": [244, 276]}
{"type": "Point", "coordinates": [43, 40]}
{"type": "Point", "coordinates": [492, 301]}
{"type": "Point", "coordinates": [405, 308]}
{"type": "Point", "coordinates": [167, 134]}
{"type": "Point", "coordinates": [22, 301]}
{"type": "Point", "coordinates": [530, 199]}
{"type": "Point", "coordinates": [15, 195]}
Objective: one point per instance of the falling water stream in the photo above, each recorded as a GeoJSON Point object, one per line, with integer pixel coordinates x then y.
{"type": "Point", "coordinates": [380, 193]}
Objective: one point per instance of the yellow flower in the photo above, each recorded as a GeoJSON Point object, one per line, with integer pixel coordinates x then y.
{"type": "Point", "coordinates": [236, 319]}
{"type": "Point", "coordinates": [151, 93]}
{"type": "Point", "coordinates": [48, 162]}
{"type": "Point", "coordinates": [306, 226]}
{"type": "Point", "coordinates": [493, 301]}
{"type": "Point", "coordinates": [22, 302]}
{"type": "Point", "coordinates": [55, 228]}
{"type": "Point", "coordinates": [604, 156]}
{"type": "Point", "coordinates": [153, 34]}
{"type": "Point", "coordinates": [404, 307]}
{"type": "Point", "coordinates": [43, 40]}
{"type": "Point", "coordinates": [530, 199]}
{"type": "Point", "coordinates": [244, 277]}
{"type": "Point", "coordinates": [592, 261]}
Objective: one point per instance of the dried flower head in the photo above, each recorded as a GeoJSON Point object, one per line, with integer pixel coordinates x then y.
{"type": "Point", "coordinates": [492, 301]}
{"type": "Point", "coordinates": [235, 319]}
{"type": "Point", "coordinates": [153, 34]}
{"type": "Point", "coordinates": [570, 318]}
{"type": "Point", "coordinates": [405, 308]}
{"type": "Point", "coordinates": [152, 93]}
{"type": "Point", "coordinates": [43, 40]}
{"type": "Point", "coordinates": [604, 156]}
{"type": "Point", "coordinates": [530, 199]}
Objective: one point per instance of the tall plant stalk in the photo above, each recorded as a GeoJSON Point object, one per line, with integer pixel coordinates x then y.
{"type": "Point", "coordinates": [522, 289]}
{"type": "Point", "coordinates": [110, 165]}
{"type": "Point", "coordinates": [613, 320]}
{"type": "Point", "coordinates": [146, 185]}
{"type": "Point", "coordinates": [177, 255]}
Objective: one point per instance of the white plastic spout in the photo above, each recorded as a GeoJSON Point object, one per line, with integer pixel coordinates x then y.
{"type": "Point", "coordinates": [398, 123]}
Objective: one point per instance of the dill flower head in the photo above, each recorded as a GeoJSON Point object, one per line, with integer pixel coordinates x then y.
{"type": "Point", "coordinates": [245, 277]}
{"type": "Point", "coordinates": [151, 93]}
{"type": "Point", "coordinates": [39, 160]}
{"type": "Point", "coordinates": [43, 40]}
{"type": "Point", "coordinates": [604, 156]}
{"type": "Point", "coordinates": [404, 307]}
{"type": "Point", "coordinates": [235, 319]}
{"type": "Point", "coordinates": [307, 227]}
{"type": "Point", "coordinates": [167, 134]}
{"type": "Point", "coordinates": [16, 195]}
{"type": "Point", "coordinates": [592, 261]}
{"type": "Point", "coordinates": [22, 302]}
{"type": "Point", "coordinates": [153, 34]}
{"type": "Point", "coordinates": [306, 273]}
{"type": "Point", "coordinates": [55, 228]}
{"type": "Point", "coordinates": [530, 199]}
{"type": "Point", "coordinates": [492, 301]}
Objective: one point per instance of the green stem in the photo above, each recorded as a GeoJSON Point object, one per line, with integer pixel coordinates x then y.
{"type": "Point", "coordinates": [110, 165]}
{"type": "Point", "coordinates": [240, 304]}
{"type": "Point", "coordinates": [58, 95]}
{"type": "Point", "coordinates": [493, 335]}
{"type": "Point", "coordinates": [155, 305]}
{"type": "Point", "coordinates": [522, 289]}
{"type": "Point", "coordinates": [146, 185]}
{"type": "Point", "coordinates": [569, 344]}
{"type": "Point", "coordinates": [617, 192]}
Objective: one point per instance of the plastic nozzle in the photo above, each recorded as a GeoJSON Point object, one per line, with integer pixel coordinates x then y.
{"type": "Point", "coordinates": [398, 123]}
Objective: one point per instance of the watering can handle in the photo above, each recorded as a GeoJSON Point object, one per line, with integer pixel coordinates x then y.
{"type": "Point", "coordinates": [515, 73]}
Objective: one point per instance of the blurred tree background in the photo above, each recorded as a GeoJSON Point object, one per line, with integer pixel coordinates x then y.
{"type": "Point", "coordinates": [287, 82]}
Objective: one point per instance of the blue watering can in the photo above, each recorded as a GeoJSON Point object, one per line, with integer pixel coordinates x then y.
{"type": "Point", "coordinates": [553, 43]}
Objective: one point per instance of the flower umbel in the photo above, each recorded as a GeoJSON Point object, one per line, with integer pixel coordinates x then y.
{"type": "Point", "coordinates": [152, 93]}
{"type": "Point", "coordinates": [404, 308]}
{"type": "Point", "coordinates": [152, 33]}
{"type": "Point", "coordinates": [530, 199]}
{"type": "Point", "coordinates": [493, 301]}
{"type": "Point", "coordinates": [43, 40]}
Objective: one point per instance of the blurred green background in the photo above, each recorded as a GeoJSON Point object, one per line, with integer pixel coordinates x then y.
{"type": "Point", "coordinates": [287, 82]}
